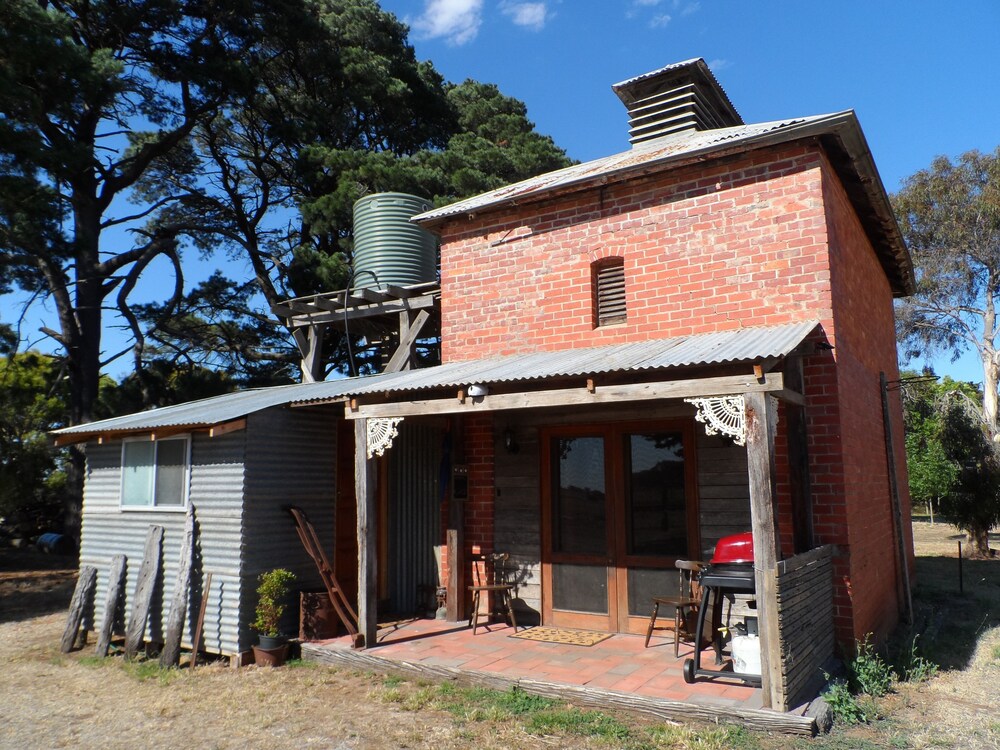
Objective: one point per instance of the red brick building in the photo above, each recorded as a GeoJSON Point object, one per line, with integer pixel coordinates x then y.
{"type": "Point", "coordinates": [641, 354]}
{"type": "Point", "coordinates": [714, 226]}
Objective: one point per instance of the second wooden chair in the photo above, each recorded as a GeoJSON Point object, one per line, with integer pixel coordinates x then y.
{"type": "Point", "coordinates": [685, 604]}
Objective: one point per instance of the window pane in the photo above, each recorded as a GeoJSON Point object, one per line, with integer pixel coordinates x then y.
{"type": "Point", "coordinates": [171, 459]}
{"type": "Point", "coordinates": [578, 513]}
{"type": "Point", "coordinates": [137, 473]}
{"type": "Point", "coordinates": [656, 514]}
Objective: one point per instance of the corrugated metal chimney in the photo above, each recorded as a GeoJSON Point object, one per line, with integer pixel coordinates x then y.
{"type": "Point", "coordinates": [682, 96]}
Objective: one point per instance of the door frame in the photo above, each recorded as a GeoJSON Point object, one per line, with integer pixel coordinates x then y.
{"type": "Point", "coordinates": [616, 559]}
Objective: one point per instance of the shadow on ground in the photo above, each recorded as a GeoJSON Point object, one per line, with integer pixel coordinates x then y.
{"type": "Point", "coordinates": [33, 583]}
{"type": "Point", "coordinates": [949, 615]}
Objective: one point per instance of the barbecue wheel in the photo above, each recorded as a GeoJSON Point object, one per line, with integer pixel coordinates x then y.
{"type": "Point", "coordinates": [689, 671]}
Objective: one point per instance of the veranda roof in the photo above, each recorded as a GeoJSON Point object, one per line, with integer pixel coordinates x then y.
{"type": "Point", "coordinates": [726, 347]}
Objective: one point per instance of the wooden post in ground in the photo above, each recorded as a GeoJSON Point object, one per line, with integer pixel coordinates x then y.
{"type": "Point", "coordinates": [116, 579]}
{"type": "Point", "coordinates": [171, 653]}
{"type": "Point", "coordinates": [135, 632]}
{"type": "Point", "coordinates": [196, 636]}
{"type": "Point", "coordinates": [82, 595]}
{"type": "Point", "coordinates": [364, 486]}
{"type": "Point", "coordinates": [761, 415]}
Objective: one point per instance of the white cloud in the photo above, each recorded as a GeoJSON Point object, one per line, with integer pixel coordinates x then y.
{"type": "Point", "coordinates": [660, 21]}
{"type": "Point", "coordinates": [529, 15]}
{"type": "Point", "coordinates": [686, 8]}
{"type": "Point", "coordinates": [636, 6]}
{"type": "Point", "coordinates": [457, 21]}
{"type": "Point", "coordinates": [718, 64]}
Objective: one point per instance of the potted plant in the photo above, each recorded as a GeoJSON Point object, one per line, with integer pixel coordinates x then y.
{"type": "Point", "coordinates": [272, 591]}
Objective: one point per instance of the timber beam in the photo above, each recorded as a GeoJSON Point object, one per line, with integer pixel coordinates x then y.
{"type": "Point", "coordinates": [772, 382]}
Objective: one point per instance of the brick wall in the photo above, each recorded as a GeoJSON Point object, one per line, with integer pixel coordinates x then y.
{"type": "Point", "coordinates": [866, 345]}
{"type": "Point", "coordinates": [738, 243]}
{"type": "Point", "coordinates": [478, 507]}
{"type": "Point", "coordinates": [764, 239]}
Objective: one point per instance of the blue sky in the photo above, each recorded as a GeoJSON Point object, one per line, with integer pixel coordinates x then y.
{"type": "Point", "coordinates": [922, 76]}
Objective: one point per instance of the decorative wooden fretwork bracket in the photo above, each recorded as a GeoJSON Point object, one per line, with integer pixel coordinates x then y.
{"type": "Point", "coordinates": [381, 432]}
{"type": "Point", "coordinates": [722, 415]}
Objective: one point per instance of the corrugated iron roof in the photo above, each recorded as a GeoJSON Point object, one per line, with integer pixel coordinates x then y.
{"type": "Point", "coordinates": [201, 413]}
{"type": "Point", "coordinates": [745, 344]}
{"type": "Point", "coordinates": [645, 154]}
{"type": "Point", "coordinates": [660, 354]}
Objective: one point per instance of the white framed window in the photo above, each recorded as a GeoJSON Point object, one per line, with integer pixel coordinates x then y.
{"type": "Point", "coordinates": [156, 473]}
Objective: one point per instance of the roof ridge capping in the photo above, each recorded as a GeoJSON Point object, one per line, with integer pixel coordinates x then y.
{"type": "Point", "coordinates": [675, 98]}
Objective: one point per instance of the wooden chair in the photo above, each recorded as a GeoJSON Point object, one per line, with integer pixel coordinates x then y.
{"type": "Point", "coordinates": [490, 576]}
{"type": "Point", "coordinates": [685, 604]}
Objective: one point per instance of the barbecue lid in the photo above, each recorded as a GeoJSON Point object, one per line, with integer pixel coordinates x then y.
{"type": "Point", "coordinates": [737, 548]}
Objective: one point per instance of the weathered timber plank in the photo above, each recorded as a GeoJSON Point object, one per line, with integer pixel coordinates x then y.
{"type": "Point", "coordinates": [149, 571]}
{"type": "Point", "coordinates": [364, 489]}
{"type": "Point", "coordinates": [612, 394]}
{"type": "Point", "coordinates": [454, 552]}
{"type": "Point", "coordinates": [406, 339]}
{"type": "Point", "coordinates": [810, 585]}
{"type": "Point", "coordinates": [584, 696]}
{"type": "Point", "coordinates": [810, 572]}
{"type": "Point", "coordinates": [200, 623]}
{"type": "Point", "coordinates": [761, 419]}
{"type": "Point", "coordinates": [799, 561]}
{"type": "Point", "coordinates": [116, 580]}
{"type": "Point", "coordinates": [82, 595]}
{"type": "Point", "coordinates": [336, 317]}
{"type": "Point", "coordinates": [171, 653]}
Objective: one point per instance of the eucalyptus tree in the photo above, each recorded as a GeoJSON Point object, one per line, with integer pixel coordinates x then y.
{"type": "Point", "coordinates": [950, 217]}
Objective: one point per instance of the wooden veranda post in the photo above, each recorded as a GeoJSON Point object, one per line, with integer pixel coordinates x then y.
{"type": "Point", "coordinates": [761, 414]}
{"type": "Point", "coordinates": [364, 485]}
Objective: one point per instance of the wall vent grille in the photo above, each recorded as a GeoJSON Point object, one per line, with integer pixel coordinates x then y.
{"type": "Point", "coordinates": [609, 277]}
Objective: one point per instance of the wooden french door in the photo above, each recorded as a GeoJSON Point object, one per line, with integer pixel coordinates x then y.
{"type": "Point", "coordinates": [619, 506]}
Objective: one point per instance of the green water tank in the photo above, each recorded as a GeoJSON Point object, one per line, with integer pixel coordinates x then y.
{"type": "Point", "coordinates": [388, 247]}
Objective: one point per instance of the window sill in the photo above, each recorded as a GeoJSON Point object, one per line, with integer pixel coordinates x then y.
{"type": "Point", "coordinates": [152, 508]}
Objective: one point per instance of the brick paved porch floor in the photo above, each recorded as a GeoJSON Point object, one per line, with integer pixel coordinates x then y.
{"type": "Point", "coordinates": [619, 664]}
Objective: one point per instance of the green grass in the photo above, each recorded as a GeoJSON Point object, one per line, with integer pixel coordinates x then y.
{"type": "Point", "coordinates": [573, 721]}
{"type": "Point", "coordinates": [141, 670]}
{"type": "Point", "coordinates": [300, 664]}
{"type": "Point", "coordinates": [546, 717]}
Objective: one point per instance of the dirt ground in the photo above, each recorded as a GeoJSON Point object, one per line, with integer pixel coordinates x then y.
{"type": "Point", "coordinates": [50, 700]}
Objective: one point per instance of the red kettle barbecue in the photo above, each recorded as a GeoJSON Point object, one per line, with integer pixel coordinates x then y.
{"type": "Point", "coordinates": [729, 571]}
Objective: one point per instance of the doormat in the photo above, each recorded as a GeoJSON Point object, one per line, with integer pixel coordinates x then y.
{"type": "Point", "coordinates": [562, 635]}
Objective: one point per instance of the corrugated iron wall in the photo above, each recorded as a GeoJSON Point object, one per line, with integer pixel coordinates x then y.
{"type": "Point", "coordinates": [414, 513]}
{"type": "Point", "coordinates": [217, 495]}
{"type": "Point", "coordinates": [291, 460]}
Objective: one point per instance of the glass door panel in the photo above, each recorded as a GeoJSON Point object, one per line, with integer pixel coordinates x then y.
{"type": "Point", "coordinates": [579, 518]}
{"type": "Point", "coordinates": [656, 518]}
{"type": "Point", "coordinates": [618, 510]}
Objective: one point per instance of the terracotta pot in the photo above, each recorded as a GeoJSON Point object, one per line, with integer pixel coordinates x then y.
{"type": "Point", "coordinates": [270, 657]}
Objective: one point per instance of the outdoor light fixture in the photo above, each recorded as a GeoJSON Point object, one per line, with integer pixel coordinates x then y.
{"type": "Point", "coordinates": [508, 441]}
{"type": "Point", "coordinates": [476, 390]}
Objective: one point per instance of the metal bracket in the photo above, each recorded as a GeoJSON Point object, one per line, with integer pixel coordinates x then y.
{"type": "Point", "coordinates": [725, 415]}
{"type": "Point", "coordinates": [381, 432]}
